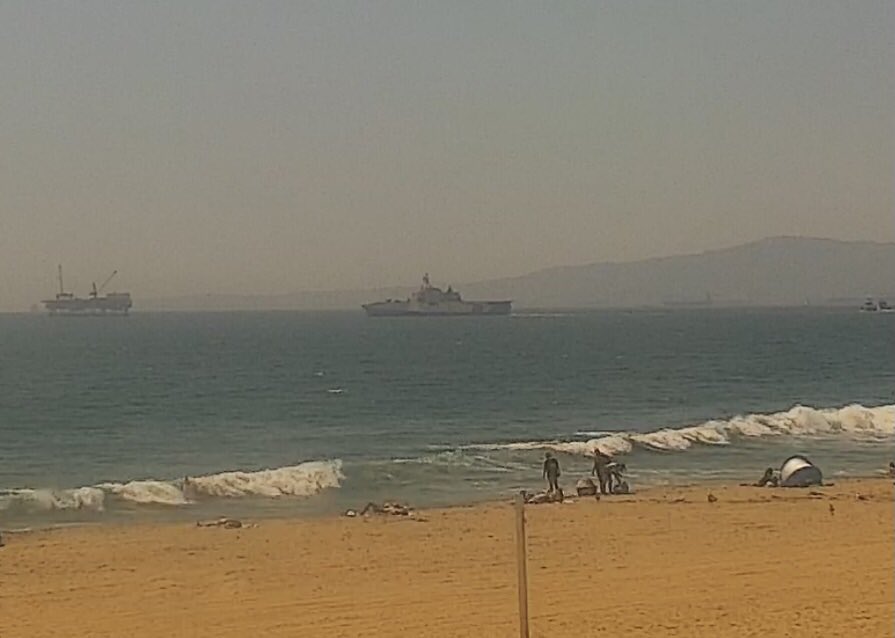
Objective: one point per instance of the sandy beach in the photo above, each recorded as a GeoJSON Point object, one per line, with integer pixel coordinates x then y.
{"type": "Point", "coordinates": [666, 562]}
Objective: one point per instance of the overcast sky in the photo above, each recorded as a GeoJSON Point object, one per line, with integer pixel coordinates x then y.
{"type": "Point", "coordinates": [210, 146]}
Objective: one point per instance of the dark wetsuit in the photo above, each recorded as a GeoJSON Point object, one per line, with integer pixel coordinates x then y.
{"type": "Point", "coordinates": [551, 472]}
{"type": "Point", "coordinates": [601, 469]}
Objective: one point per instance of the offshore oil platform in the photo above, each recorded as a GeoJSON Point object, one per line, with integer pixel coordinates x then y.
{"type": "Point", "coordinates": [96, 303]}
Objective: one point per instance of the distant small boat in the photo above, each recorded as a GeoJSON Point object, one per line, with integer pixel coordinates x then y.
{"type": "Point", "coordinates": [884, 306]}
{"type": "Point", "coordinates": [870, 305]}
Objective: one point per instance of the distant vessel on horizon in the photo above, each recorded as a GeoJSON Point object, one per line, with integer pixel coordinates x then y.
{"type": "Point", "coordinates": [430, 301]}
{"type": "Point", "coordinates": [66, 303]}
{"type": "Point", "coordinates": [869, 305]}
{"type": "Point", "coordinates": [689, 303]}
{"type": "Point", "coordinates": [873, 305]}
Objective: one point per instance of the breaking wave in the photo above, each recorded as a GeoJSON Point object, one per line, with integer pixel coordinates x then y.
{"type": "Point", "coordinates": [303, 480]}
{"type": "Point", "coordinates": [81, 498]}
{"type": "Point", "coordinates": [854, 421]}
{"type": "Point", "coordinates": [306, 479]}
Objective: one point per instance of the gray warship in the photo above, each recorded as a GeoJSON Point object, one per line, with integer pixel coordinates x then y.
{"type": "Point", "coordinates": [430, 301]}
{"type": "Point", "coordinates": [65, 303]}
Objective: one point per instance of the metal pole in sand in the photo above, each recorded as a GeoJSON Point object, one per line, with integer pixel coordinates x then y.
{"type": "Point", "coordinates": [521, 566]}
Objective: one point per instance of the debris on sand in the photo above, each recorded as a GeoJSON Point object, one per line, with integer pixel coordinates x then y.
{"type": "Point", "coordinates": [543, 497]}
{"type": "Point", "coordinates": [226, 523]}
{"type": "Point", "coordinates": [388, 508]}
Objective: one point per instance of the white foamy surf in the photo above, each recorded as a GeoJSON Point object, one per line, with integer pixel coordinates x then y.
{"type": "Point", "coordinates": [306, 479]}
{"type": "Point", "coordinates": [79, 498]}
{"type": "Point", "coordinates": [303, 480]}
{"type": "Point", "coordinates": [853, 421]}
{"type": "Point", "coordinates": [146, 492]}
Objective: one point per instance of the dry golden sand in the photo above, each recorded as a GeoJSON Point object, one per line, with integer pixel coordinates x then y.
{"type": "Point", "coordinates": [755, 563]}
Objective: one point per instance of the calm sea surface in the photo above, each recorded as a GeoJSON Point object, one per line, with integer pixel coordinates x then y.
{"type": "Point", "coordinates": [298, 413]}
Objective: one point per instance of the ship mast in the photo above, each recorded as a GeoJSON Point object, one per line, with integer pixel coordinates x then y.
{"type": "Point", "coordinates": [62, 294]}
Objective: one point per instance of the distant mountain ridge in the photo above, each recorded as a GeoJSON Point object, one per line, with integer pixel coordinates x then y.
{"type": "Point", "coordinates": [775, 271]}
{"type": "Point", "coordinates": [779, 271]}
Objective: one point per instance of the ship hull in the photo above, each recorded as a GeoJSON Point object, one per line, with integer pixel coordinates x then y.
{"type": "Point", "coordinates": [459, 309]}
{"type": "Point", "coordinates": [117, 304]}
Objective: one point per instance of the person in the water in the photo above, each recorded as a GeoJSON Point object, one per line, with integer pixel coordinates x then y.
{"type": "Point", "coordinates": [601, 471]}
{"type": "Point", "coordinates": [551, 472]}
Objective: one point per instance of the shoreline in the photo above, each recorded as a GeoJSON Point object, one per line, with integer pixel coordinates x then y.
{"type": "Point", "coordinates": [662, 562]}
{"type": "Point", "coordinates": [206, 509]}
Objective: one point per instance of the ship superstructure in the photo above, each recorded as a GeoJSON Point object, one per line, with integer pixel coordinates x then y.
{"type": "Point", "coordinates": [431, 301]}
{"type": "Point", "coordinates": [869, 305]}
{"type": "Point", "coordinates": [96, 303]}
{"type": "Point", "coordinates": [876, 305]}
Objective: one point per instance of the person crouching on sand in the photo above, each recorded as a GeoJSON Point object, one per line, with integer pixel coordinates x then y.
{"type": "Point", "coordinates": [768, 479]}
{"type": "Point", "coordinates": [551, 472]}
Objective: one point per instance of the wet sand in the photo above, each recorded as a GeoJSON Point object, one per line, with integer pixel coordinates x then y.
{"type": "Point", "coordinates": [667, 562]}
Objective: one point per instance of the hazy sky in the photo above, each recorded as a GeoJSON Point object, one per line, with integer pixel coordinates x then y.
{"type": "Point", "coordinates": [210, 146]}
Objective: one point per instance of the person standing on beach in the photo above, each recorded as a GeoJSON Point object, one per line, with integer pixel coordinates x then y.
{"type": "Point", "coordinates": [551, 472]}
{"type": "Point", "coordinates": [601, 470]}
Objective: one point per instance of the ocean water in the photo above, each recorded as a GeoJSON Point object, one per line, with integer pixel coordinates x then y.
{"type": "Point", "coordinates": [282, 414]}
